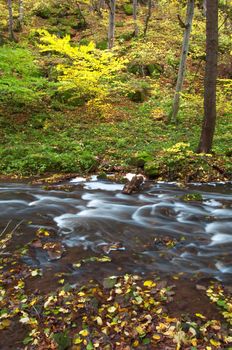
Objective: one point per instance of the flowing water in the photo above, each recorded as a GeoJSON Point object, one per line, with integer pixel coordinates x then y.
{"type": "Point", "coordinates": [156, 229]}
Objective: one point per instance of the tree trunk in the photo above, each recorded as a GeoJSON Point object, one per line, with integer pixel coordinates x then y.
{"type": "Point", "coordinates": [204, 7]}
{"type": "Point", "coordinates": [135, 8]}
{"type": "Point", "coordinates": [184, 54]}
{"type": "Point", "coordinates": [10, 20]}
{"type": "Point", "coordinates": [208, 127]}
{"type": "Point", "coordinates": [148, 17]}
{"type": "Point", "coordinates": [21, 12]}
{"type": "Point", "coordinates": [111, 29]}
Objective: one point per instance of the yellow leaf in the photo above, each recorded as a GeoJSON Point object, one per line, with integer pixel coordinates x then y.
{"type": "Point", "coordinates": [215, 342]}
{"type": "Point", "coordinates": [194, 342]}
{"type": "Point", "coordinates": [33, 302]}
{"type": "Point", "coordinates": [149, 284]}
{"type": "Point", "coordinates": [84, 332]}
{"type": "Point", "coordinates": [140, 330]}
{"type": "Point", "coordinates": [118, 291]}
{"type": "Point", "coordinates": [175, 277]}
{"type": "Point", "coordinates": [201, 316]}
{"type": "Point", "coordinates": [161, 326]}
{"type": "Point", "coordinates": [4, 324]}
{"type": "Point", "coordinates": [159, 311]}
{"type": "Point", "coordinates": [77, 340]}
{"type": "Point", "coordinates": [62, 293]}
{"type": "Point", "coordinates": [111, 309]}
{"type": "Point", "coordinates": [99, 320]}
{"type": "Point", "coordinates": [34, 273]}
{"type": "Point", "coordinates": [136, 343]}
{"type": "Point", "coordinates": [156, 336]}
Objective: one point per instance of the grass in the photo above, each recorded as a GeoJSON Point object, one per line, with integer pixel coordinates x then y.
{"type": "Point", "coordinates": [64, 142]}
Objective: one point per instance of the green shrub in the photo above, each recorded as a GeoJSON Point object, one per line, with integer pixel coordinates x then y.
{"type": "Point", "coordinates": [21, 82]}
{"type": "Point", "coordinates": [126, 36]}
{"type": "Point", "coordinates": [150, 69]}
{"type": "Point", "coordinates": [102, 45]}
{"type": "Point", "coordinates": [119, 24]}
{"type": "Point", "coordinates": [128, 9]}
{"type": "Point", "coordinates": [84, 42]}
{"type": "Point", "coordinates": [43, 11]}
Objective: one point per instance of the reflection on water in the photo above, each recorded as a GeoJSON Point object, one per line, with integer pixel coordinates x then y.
{"type": "Point", "coordinates": [159, 231]}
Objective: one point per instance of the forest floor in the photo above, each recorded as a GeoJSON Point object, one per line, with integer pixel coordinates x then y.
{"type": "Point", "coordinates": [129, 140]}
{"type": "Point", "coordinates": [42, 310]}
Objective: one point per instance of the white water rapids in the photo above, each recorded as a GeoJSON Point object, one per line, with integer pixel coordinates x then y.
{"type": "Point", "coordinates": [96, 213]}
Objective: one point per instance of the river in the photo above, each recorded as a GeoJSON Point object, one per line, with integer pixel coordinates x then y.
{"type": "Point", "coordinates": [155, 230]}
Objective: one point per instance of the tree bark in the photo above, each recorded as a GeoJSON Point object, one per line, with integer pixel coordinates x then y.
{"type": "Point", "coordinates": [111, 29]}
{"type": "Point", "coordinates": [148, 17]}
{"type": "Point", "coordinates": [10, 20]}
{"type": "Point", "coordinates": [204, 7]}
{"type": "Point", "coordinates": [208, 126]}
{"type": "Point", "coordinates": [21, 12]}
{"type": "Point", "coordinates": [135, 8]}
{"type": "Point", "coordinates": [183, 59]}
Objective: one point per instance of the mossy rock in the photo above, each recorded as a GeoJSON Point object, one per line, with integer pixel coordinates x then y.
{"type": "Point", "coordinates": [128, 9]}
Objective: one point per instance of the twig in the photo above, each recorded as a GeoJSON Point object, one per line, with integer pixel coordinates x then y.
{"type": "Point", "coordinates": [14, 229]}
{"type": "Point", "coordinates": [7, 225]}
